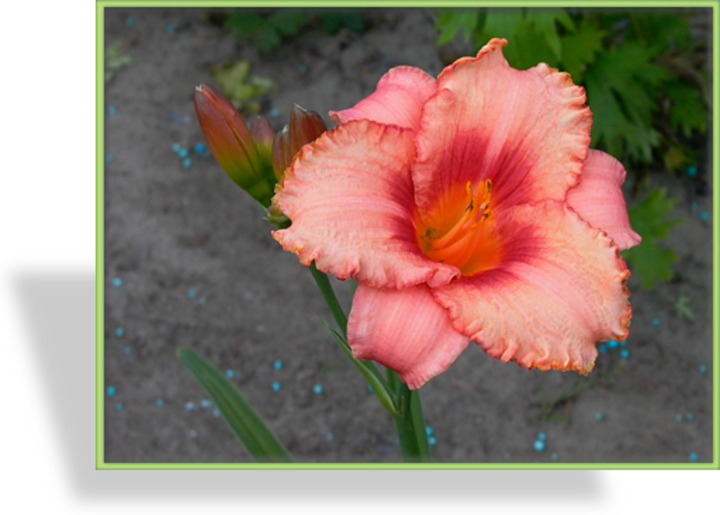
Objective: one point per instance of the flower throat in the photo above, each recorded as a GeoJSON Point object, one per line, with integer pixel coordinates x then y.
{"type": "Point", "coordinates": [466, 240]}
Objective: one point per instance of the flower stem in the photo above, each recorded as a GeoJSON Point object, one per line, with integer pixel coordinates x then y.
{"type": "Point", "coordinates": [409, 423]}
{"type": "Point", "coordinates": [329, 295]}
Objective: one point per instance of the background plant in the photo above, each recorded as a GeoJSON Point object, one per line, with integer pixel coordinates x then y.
{"type": "Point", "coordinates": [647, 86]}
{"type": "Point", "coordinates": [115, 60]}
{"type": "Point", "coordinates": [644, 72]}
{"type": "Point", "coordinates": [268, 30]}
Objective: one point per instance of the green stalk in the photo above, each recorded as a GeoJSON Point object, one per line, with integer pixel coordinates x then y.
{"type": "Point", "coordinates": [401, 402]}
{"type": "Point", "coordinates": [409, 423]}
{"type": "Point", "coordinates": [329, 295]}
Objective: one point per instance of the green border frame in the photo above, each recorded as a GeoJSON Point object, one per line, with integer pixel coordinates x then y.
{"type": "Point", "coordinates": [100, 239]}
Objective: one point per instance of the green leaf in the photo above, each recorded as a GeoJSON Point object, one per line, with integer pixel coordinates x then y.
{"type": "Point", "coordinates": [502, 23]}
{"type": "Point", "coordinates": [334, 20]}
{"type": "Point", "coordinates": [242, 87]}
{"type": "Point", "coordinates": [688, 111]}
{"type": "Point", "coordinates": [677, 156]}
{"type": "Point", "coordinates": [115, 60]}
{"type": "Point", "coordinates": [369, 371]}
{"type": "Point", "coordinates": [545, 21]}
{"type": "Point", "coordinates": [622, 86]}
{"type": "Point", "coordinates": [527, 45]}
{"type": "Point", "coordinates": [651, 219]}
{"type": "Point", "coordinates": [531, 48]}
{"type": "Point", "coordinates": [266, 32]}
{"type": "Point", "coordinates": [579, 49]}
{"type": "Point", "coordinates": [683, 308]}
{"type": "Point", "coordinates": [267, 40]}
{"type": "Point", "coordinates": [499, 23]}
{"type": "Point", "coordinates": [662, 32]}
{"type": "Point", "coordinates": [288, 22]}
{"type": "Point", "coordinates": [453, 21]}
{"type": "Point", "coordinates": [649, 261]}
{"type": "Point", "coordinates": [258, 439]}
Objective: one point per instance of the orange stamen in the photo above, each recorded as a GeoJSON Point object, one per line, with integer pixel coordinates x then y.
{"type": "Point", "coordinates": [463, 243]}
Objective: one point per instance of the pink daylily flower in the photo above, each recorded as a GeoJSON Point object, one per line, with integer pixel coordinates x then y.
{"type": "Point", "coordinates": [470, 209]}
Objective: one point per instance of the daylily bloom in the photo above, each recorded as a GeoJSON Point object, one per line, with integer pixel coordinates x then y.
{"type": "Point", "coordinates": [470, 209]}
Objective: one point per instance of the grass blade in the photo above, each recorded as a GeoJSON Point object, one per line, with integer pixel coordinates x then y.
{"type": "Point", "coordinates": [257, 438]}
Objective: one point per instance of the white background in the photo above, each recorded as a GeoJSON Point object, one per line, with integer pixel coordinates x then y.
{"type": "Point", "coordinates": [47, 260]}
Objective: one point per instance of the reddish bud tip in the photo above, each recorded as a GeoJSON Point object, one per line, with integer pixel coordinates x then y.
{"type": "Point", "coordinates": [305, 127]}
{"type": "Point", "coordinates": [282, 157]}
{"type": "Point", "coordinates": [262, 132]}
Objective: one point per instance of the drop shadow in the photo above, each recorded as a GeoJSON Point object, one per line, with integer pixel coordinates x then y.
{"type": "Point", "coordinates": [59, 313]}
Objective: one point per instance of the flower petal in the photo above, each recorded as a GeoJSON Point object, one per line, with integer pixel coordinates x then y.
{"type": "Point", "coordinates": [527, 131]}
{"type": "Point", "coordinates": [405, 330]}
{"type": "Point", "coordinates": [349, 197]}
{"type": "Point", "coordinates": [397, 100]}
{"type": "Point", "coordinates": [599, 200]}
{"type": "Point", "coordinates": [560, 289]}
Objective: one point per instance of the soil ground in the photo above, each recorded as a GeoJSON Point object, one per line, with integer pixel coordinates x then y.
{"type": "Point", "coordinates": [198, 268]}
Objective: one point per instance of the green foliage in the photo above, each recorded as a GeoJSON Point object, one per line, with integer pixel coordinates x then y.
{"type": "Point", "coordinates": [660, 31]}
{"type": "Point", "coordinates": [267, 30]}
{"type": "Point", "coordinates": [242, 87]}
{"type": "Point", "coordinates": [450, 23]}
{"type": "Point", "coordinates": [688, 113]}
{"type": "Point", "coordinates": [579, 48]}
{"type": "Point", "coordinates": [678, 156]}
{"type": "Point", "coordinates": [247, 425]}
{"type": "Point", "coordinates": [683, 308]}
{"type": "Point", "coordinates": [533, 33]}
{"type": "Point", "coordinates": [638, 67]}
{"type": "Point", "coordinates": [621, 88]}
{"type": "Point", "coordinates": [115, 60]}
{"type": "Point", "coordinates": [650, 261]}
{"type": "Point", "coordinates": [335, 20]}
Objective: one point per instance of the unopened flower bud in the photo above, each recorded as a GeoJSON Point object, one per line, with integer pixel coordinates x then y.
{"type": "Point", "coordinates": [305, 127]}
{"type": "Point", "coordinates": [282, 156]}
{"type": "Point", "coordinates": [262, 133]}
{"type": "Point", "coordinates": [246, 160]}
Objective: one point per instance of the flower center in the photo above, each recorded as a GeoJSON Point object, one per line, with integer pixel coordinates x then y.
{"type": "Point", "coordinates": [460, 231]}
